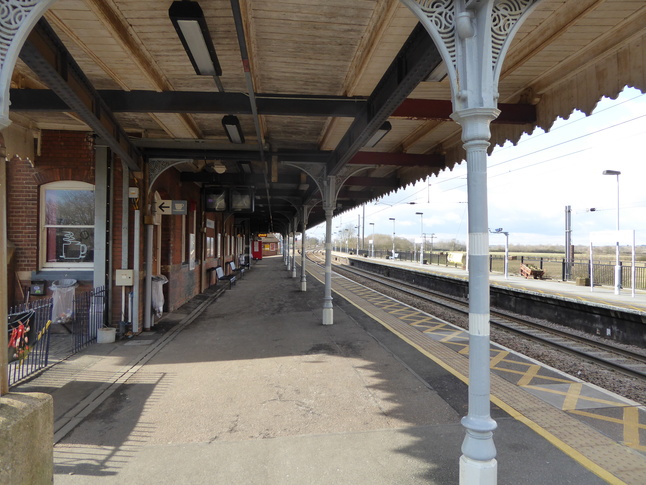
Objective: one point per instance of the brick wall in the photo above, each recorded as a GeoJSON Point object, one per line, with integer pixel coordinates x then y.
{"type": "Point", "coordinates": [64, 156]}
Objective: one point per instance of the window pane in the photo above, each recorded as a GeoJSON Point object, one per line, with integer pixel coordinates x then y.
{"type": "Point", "coordinates": [70, 245]}
{"type": "Point", "coordinates": [69, 207]}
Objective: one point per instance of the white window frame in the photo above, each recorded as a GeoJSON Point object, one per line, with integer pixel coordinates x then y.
{"type": "Point", "coordinates": [42, 253]}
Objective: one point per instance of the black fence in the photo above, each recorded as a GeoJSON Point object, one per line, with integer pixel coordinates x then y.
{"type": "Point", "coordinates": [554, 268]}
{"type": "Point", "coordinates": [35, 342]}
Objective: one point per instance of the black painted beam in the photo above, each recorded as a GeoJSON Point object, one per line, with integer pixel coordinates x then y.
{"type": "Point", "coordinates": [46, 55]}
{"type": "Point", "coordinates": [414, 62]}
{"type": "Point", "coordinates": [197, 102]}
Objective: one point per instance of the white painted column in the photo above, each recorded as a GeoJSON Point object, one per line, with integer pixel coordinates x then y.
{"type": "Point", "coordinates": [303, 273]}
{"type": "Point", "coordinates": [472, 38]}
{"type": "Point", "coordinates": [294, 247]}
{"type": "Point", "coordinates": [328, 317]}
{"type": "Point", "coordinates": [478, 464]}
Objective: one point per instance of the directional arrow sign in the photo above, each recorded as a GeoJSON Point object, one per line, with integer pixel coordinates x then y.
{"type": "Point", "coordinates": [164, 207]}
{"type": "Point", "coordinates": [172, 207]}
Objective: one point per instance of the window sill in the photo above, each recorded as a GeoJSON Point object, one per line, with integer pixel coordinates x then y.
{"type": "Point", "coordinates": [57, 274]}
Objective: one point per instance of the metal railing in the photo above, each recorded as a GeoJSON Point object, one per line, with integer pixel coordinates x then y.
{"type": "Point", "coordinates": [46, 342]}
{"type": "Point", "coordinates": [554, 268]}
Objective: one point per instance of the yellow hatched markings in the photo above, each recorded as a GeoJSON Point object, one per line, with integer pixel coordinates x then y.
{"type": "Point", "coordinates": [526, 376]}
{"type": "Point", "coordinates": [434, 328]}
{"type": "Point", "coordinates": [573, 395]}
{"type": "Point", "coordinates": [629, 421]}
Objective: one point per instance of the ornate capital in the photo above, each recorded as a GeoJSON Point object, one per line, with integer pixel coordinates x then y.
{"type": "Point", "coordinates": [156, 167]}
{"type": "Point", "coordinates": [472, 37]}
{"type": "Point", "coordinates": [17, 18]}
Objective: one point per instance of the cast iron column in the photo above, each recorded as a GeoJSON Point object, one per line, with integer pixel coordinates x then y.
{"type": "Point", "coordinates": [328, 207]}
{"type": "Point", "coordinates": [473, 37]}
{"type": "Point", "coordinates": [294, 247]}
{"type": "Point", "coordinates": [303, 274]}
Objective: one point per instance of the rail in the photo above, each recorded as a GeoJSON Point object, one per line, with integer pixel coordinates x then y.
{"type": "Point", "coordinates": [553, 268]}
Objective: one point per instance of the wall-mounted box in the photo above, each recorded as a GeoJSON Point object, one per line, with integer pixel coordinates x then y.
{"type": "Point", "coordinates": [124, 277]}
{"type": "Point", "coordinates": [37, 288]}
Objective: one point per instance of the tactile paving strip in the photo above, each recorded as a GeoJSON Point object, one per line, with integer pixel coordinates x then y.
{"type": "Point", "coordinates": [598, 429]}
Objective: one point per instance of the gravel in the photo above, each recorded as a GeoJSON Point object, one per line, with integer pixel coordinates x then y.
{"type": "Point", "coordinates": [628, 387]}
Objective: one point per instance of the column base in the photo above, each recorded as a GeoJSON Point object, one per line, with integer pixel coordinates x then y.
{"type": "Point", "coordinates": [328, 316]}
{"type": "Point", "coordinates": [303, 286]}
{"type": "Point", "coordinates": [474, 472]}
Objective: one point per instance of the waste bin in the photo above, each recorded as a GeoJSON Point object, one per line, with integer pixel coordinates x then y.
{"type": "Point", "coordinates": [63, 300]}
{"type": "Point", "coordinates": [158, 281]}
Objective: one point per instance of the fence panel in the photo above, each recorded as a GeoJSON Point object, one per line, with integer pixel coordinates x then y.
{"type": "Point", "coordinates": [49, 342]}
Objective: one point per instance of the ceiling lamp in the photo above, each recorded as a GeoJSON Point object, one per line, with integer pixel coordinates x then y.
{"type": "Point", "coordinates": [219, 167]}
{"type": "Point", "coordinates": [379, 134]}
{"type": "Point", "coordinates": [231, 125]}
{"type": "Point", "coordinates": [189, 22]}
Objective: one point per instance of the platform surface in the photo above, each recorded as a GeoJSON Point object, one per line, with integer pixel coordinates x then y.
{"type": "Point", "coordinates": [251, 388]}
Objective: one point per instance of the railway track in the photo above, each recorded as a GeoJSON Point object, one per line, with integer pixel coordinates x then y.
{"type": "Point", "coordinates": [603, 354]}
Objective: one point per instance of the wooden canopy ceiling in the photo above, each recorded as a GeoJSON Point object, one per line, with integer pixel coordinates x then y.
{"type": "Point", "coordinates": [310, 82]}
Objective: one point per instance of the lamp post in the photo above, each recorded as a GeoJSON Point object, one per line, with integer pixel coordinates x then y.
{"type": "Point", "coordinates": [393, 219]}
{"type": "Point", "coordinates": [430, 258]}
{"type": "Point", "coordinates": [421, 249]}
{"type": "Point", "coordinates": [358, 228]}
{"type": "Point", "coordinates": [617, 262]}
{"type": "Point", "coordinates": [372, 241]}
{"type": "Point", "coordinates": [500, 231]}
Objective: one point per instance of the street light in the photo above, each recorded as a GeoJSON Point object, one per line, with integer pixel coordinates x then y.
{"type": "Point", "coordinates": [500, 231]}
{"type": "Point", "coordinates": [421, 245]}
{"type": "Point", "coordinates": [393, 219]}
{"type": "Point", "coordinates": [358, 228]}
{"type": "Point", "coordinates": [430, 258]}
{"type": "Point", "coordinates": [372, 241]}
{"type": "Point", "coordinates": [617, 262]}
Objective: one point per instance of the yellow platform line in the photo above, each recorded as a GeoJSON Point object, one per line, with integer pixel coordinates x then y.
{"type": "Point", "coordinates": [555, 424]}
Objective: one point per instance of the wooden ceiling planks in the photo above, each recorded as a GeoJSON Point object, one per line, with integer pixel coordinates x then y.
{"type": "Point", "coordinates": [567, 54]}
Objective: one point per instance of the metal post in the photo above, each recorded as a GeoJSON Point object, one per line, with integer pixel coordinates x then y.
{"type": "Point", "coordinates": [358, 231]}
{"type": "Point", "coordinates": [328, 191]}
{"type": "Point", "coordinates": [421, 244]}
{"type": "Point", "coordinates": [478, 463]}
{"type": "Point", "coordinates": [568, 242]}
{"type": "Point", "coordinates": [294, 248]}
{"type": "Point", "coordinates": [372, 245]}
{"type": "Point", "coordinates": [136, 256]}
{"type": "Point", "coordinates": [328, 317]}
{"type": "Point", "coordinates": [303, 275]}
{"type": "Point", "coordinates": [506, 255]}
{"type": "Point", "coordinates": [4, 359]}
{"type": "Point", "coordinates": [393, 219]}
{"type": "Point", "coordinates": [148, 303]}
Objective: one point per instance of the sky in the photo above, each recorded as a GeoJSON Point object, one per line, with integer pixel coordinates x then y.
{"type": "Point", "coordinates": [530, 184]}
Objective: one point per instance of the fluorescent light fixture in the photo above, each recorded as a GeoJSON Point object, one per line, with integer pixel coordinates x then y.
{"type": "Point", "coordinates": [379, 134]}
{"type": "Point", "coordinates": [189, 22]}
{"type": "Point", "coordinates": [231, 126]}
{"type": "Point", "coordinates": [245, 166]}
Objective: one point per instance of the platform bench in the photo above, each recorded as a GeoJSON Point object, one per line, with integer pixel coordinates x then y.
{"type": "Point", "coordinates": [235, 271]}
{"type": "Point", "coordinates": [219, 272]}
